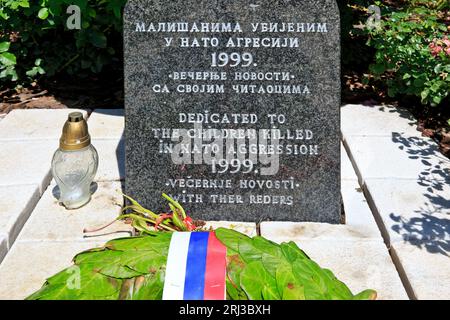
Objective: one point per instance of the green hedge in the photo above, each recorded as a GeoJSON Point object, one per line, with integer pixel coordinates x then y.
{"type": "Point", "coordinates": [413, 50]}
{"type": "Point", "coordinates": [34, 38]}
{"type": "Point", "coordinates": [409, 52]}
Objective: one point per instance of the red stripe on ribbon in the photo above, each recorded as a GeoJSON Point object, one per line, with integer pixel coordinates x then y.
{"type": "Point", "coordinates": [215, 273]}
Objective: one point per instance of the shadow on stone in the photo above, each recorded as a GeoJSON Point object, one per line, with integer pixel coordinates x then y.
{"type": "Point", "coordinates": [57, 192]}
{"type": "Point", "coordinates": [120, 154]}
{"type": "Point", "coordinates": [425, 231]}
{"type": "Point", "coordinates": [430, 227]}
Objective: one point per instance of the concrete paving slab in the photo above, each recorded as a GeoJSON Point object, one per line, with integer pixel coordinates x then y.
{"type": "Point", "coordinates": [410, 209]}
{"type": "Point", "coordinates": [16, 203]}
{"type": "Point", "coordinates": [347, 170]}
{"type": "Point", "coordinates": [426, 265]}
{"type": "Point", "coordinates": [107, 124]}
{"type": "Point", "coordinates": [35, 124]}
{"type": "Point", "coordinates": [287, 231]}
{"type": "Point", "coordinates": [359, 264]}
{"type": "Point", "coordinates": [399, 157]}
{"type": "Point", "coordinates": [361, 120]}
{"type": "Point", "coordinates": [28, 264]}
{"type": "Point", "coordinates": [247, 228]}
{"type": "Point", "coordinates": [26, 162]}
{"type": "Point", "coordinates": [111, 155]}
{"type": "Point", "coordinates": [52, 222]}
{"type": "Point", "coordinates": [357, 211]}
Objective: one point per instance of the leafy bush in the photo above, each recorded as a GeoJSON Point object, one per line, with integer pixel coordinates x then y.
{"type": "Point", "coordinates": [413, 51]}
{"type": "Point", "coordinates": [34, 38]}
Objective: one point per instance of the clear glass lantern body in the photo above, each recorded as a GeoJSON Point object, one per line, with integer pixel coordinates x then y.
{"type": "Point", "coordinates": [74, 171]}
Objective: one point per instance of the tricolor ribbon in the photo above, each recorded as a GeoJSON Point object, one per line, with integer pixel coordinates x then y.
{"type": "Point", "coordinates": [196, 267]}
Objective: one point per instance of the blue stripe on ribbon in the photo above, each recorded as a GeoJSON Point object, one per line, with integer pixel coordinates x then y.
{"type": "Point", "coordinates": [194, 283]}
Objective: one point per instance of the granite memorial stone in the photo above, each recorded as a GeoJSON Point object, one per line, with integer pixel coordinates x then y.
{"type": "Point", "coordinates": [232, 108]}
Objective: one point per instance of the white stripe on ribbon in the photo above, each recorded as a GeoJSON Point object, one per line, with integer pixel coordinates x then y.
{"type": "Point", "coordinates": [176, 266]}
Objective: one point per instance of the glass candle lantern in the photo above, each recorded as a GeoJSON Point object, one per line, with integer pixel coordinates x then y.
{"type": "Point", "coordinates": [75, 163]}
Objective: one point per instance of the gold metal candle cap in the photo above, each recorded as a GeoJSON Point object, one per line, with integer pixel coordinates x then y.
{"type": "Point", "coordinates": [75, 133]}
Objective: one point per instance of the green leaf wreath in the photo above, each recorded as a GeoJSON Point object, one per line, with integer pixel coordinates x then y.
{"type": "Point", "coordinates": [133, 268]}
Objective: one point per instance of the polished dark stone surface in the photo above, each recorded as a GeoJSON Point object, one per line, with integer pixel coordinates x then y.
{"type": "Point", "coordinates": [314, 63]}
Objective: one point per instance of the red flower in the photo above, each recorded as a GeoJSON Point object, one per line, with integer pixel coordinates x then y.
{"type": "Point", "coordinates": [440, 45]}
{"type": "Point", "coordinates": [435, 51]}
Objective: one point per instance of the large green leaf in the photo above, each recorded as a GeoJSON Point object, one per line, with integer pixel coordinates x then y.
{"type": "Point", "coordinates": [109, 263]}
{"type": "Point", "coordinates": [292, 252]}
{"type": "Point", "coordinates": [148, 287]}
{"type": "Point", "coordinates": [230, 238]}
{"type": "Point", "coordinates": [158, 242]}
{"type": "Point", "coordinates": [4, 46]}
{"type": "Point", "coordinates": [289, 287]}
{"type": "Point", "coordinates": [7, 59]}
{"type": "Point", "coordinates": [128, 257]}
{"type": "Point", "coordinates": [43, 13]}
{"type": "Point", "coordinates": [310, 276]}
{"type": "Point", "coordinates": [85, 284]}
{"type": "Point", "coordinates": [257, 283]}
{"type": "Point", "coordinates": [366, 295]}
{"type": "Point", "coordinates": [235, 265]}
